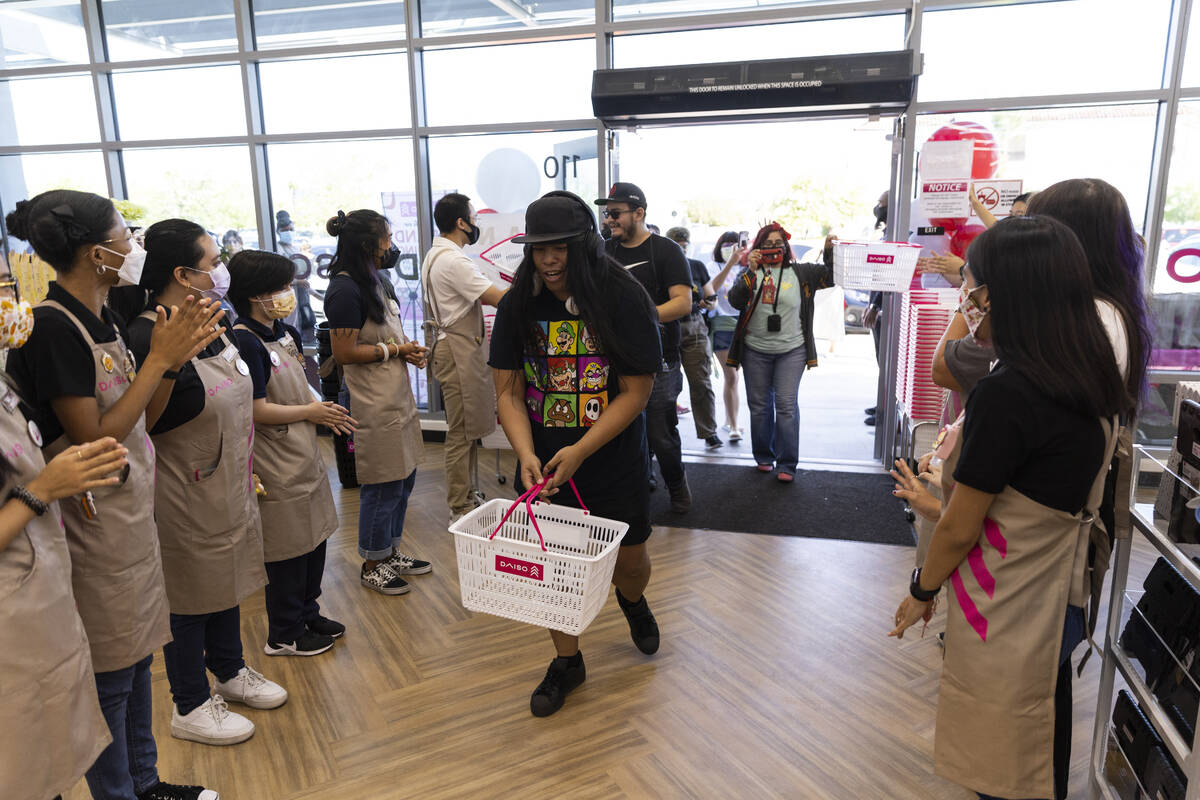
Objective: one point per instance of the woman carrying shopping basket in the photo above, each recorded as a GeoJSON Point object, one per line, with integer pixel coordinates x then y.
{"type": "Point", "coordinates": [574, 350]}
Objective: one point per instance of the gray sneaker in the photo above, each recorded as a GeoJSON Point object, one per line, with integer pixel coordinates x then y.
{"type": "Point", "coordinates": [383, 579]}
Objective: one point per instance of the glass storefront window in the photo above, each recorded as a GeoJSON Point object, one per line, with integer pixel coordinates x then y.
{"type": "Point", "coordinates": [310, 181]}
{"type": "Point", "coordinates": [38, 111]}
{"type": "Point", "coordinates": [1042, 146]}
{"type": "Point", "coordinates": [627, 9]}
{"type": "Point", "coordinates": [1043, 48]}
{"type": "Point", "coordinates": [179, 103]}
{"type": "Point", "coordinates": [26, 176]}
{"type": "Point", "coordinates": [1191, 56]}
{"type": "Point", "coordinates": [818, 38]}
{"type": "Point", "coordinates": [510, 83]}
{"type": "Point", "coordinates": [38, 34]}
{"type": "Point", "coordinates": [304, 23]}
{"type": "Point", "coordinates": [143, 29]}
{"type": "Point", "coordinates": [207, 185]}
{"type": "Point", "coordinates": [371, 93]}
{"type": "Point", "coordinates": [442, 17]}
{"type": "Point", "coordinates": [1176, 279]}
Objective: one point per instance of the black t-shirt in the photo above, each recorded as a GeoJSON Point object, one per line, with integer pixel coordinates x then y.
{"type": "Point", "coordinates": [56, 361]}
{"type": "Point", "coordinates": [1014, 435]}
{"type": "Point", "coordinates": [255, 353]}
{"type": "Point", "coordinates": [658, 264]}
{"type": "Point", "coordinates": [187, 396]}
{"type": "Point", "coordinates": [569, 381]}
{"type": "Point", "coordinates": [699, 278]}
{"type": "Point", "coordinates": [344, 307]}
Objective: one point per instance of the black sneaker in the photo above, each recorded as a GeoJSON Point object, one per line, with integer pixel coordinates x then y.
{"type": "Point", "coordinates": [560, 679]}
{"type": "Point", "coordinates": [681, 498]}
{"type": "Point", "coordinates": [383, 580]}
{"type": "Point", "coordinates": [869, 422]}
{"type": "Point", "coordinates": [870, 412]}
{"type": "Point", "coordinates": [308, 643]}
{"type": "Point", "coordinates": [643, 628]}
{"type": "Point", "coordinates": [407, 565]}
{"type": "Point", "coordinates": [326, 626]}
{"type": "Point", "coordinates": [713, 442]}
{"type": "Point", "coordinates": [171, 791]}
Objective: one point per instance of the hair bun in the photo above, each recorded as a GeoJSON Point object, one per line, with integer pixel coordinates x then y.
{"type": "Point", "coordinates": [17, 220]}
{"type": "Point", "coordinates": [337, 224]}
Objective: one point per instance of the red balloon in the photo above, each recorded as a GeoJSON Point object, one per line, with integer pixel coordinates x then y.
{"type": "Point", "coordinates": [987, 155]}
{"type": "Point", "coordinates": [949, 224]}
{"type": "Point", "coordinates": [963, 237]}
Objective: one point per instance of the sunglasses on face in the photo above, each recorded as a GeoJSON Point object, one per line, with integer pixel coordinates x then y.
{"type": "Point", "coordinates": [610, 214]}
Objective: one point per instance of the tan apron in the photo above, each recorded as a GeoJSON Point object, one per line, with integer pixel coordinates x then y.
{"type": "Point", "coordinates": [116, 569]}
{"type": "Point", "coordinates": [297, 510]}
{"type": "Point", "coordinates": [207, 513]}
{"type": "Point", "coordinates": [1006, 605]}
{"type": "Point", "coordinates": [462, 352]}
{"type": "Point", "coordinates": [387, 444]}
{"type": "Point", "coordinates": [51, 728]}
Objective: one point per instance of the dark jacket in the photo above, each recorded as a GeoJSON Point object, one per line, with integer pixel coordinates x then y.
{"type": "Point", "coordinates": [744, 294]}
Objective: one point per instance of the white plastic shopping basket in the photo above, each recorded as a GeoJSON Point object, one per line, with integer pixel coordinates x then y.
{"type": "Point", "coordinates": [875, 266]}
{"type": "Point", "coordinates": [552, 571]}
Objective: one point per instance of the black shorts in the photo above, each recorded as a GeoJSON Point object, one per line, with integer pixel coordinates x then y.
{"type": "Point", "coordinates": [632, 508]}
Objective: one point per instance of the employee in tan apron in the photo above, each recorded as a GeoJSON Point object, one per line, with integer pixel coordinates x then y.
{"type": "Point", "coordinates": [82, 384]}
{"type": "Point", "coordinates": [208, 522]}
{"type": "Point", "coordinates": [456, 292]}
{"type": "Point", "coordinates": [370, 346]}
{"type": "Point", "coordinates": [297, 508]}
{"type": "Point", "coordinates": [1012, 542]}
{"type": "Point", "coordinates": [51, 728]}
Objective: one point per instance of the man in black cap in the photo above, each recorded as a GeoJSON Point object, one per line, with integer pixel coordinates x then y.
{"type": "Point", "coordinates": [659, 265]}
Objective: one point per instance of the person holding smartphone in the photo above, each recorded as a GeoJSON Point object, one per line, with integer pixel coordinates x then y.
{"type": "Point", "coordinates": [774, 342]}
{"type": "Point", "coordinates": [727, 253]}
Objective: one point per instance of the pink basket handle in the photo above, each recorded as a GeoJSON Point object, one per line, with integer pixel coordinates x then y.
{"type": "Point", "coordinates": [528, 498]}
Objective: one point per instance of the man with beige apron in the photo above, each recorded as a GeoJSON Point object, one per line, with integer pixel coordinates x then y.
{"type": "Point", "coordinates": [297, 508]}
{"type": "Point", "coordinates": [387, 441]}
{"type": "Point", "coordinates": [456, 292]}
{"type": "Point", "coordinates": [51, 728]}
{"type": "Point", "coordinates": [211, 536]}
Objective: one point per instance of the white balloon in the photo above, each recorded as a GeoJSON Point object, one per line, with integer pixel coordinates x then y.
{"type": "Point", "coordinates": [507, 181]}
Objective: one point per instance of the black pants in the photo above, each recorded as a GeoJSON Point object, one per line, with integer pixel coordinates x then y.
{"type": "Point", "coordinates": [212, 641]}
{"type": "Point", "coordinates": [662, 425]}
{"type": "Point", "coordinates": [291, 594]}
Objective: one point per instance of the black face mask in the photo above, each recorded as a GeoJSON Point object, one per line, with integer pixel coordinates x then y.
{"type": "Point", "coordinates": [473, 234]}
{"type": "Point", "coordinates": [390, 258]}
{"type": "Point", "coordinates": [880, 215]}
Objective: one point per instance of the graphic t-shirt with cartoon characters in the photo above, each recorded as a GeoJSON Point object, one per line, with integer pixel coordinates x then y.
{"type": "Point", "coordinates": [569, 382]}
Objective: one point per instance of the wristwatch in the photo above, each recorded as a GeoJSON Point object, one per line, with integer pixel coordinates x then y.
{"type": "Point", "coordinates": [914, 588]}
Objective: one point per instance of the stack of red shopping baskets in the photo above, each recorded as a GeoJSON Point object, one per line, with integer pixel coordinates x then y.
{"type": "Point", "coordinates": [924, 316]}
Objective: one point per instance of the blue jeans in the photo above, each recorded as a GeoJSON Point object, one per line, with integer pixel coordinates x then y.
{"type": "Point", "coordinates": [772, 386]}
{"type": "Point", "coordinates": [201, 642]}
{"type": "Point", "coordinates": [381, 510]}
{"type": "Point", "coordinates": [662, 425]}
{"type": "Point", "coordinates": [128, 766]}
{"type": "Point", "coordinates": [1074, 632]}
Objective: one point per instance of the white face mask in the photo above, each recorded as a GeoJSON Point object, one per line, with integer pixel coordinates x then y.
{"type": "Point", "coordinates": [727, 252]}
{"type": "Point", "coordinates": [130, 271]}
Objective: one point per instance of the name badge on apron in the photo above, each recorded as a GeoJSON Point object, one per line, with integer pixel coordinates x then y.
{"type": "Point", "coordinates": [107, 362]}
{"type": "Point", "coordinates": [243, 368]}
{"type": "Point", "coordinates": [274, 359]}
{"type": "Point", "coordinates": [10, 401]}
{"type": "Point", "coordinates": [35, 433]}
{"type": "Point", "coordinates": [130, 365]}
{"type": "Point", "coordinates": [394, 306]}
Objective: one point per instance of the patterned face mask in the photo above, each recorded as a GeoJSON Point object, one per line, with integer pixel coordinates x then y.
{"type": "Point", "coordinates": [280, 304]}
{"type": "Point", "coordinates": [16, 322]}
{"type": "Point", "coordinates": [972, 311]}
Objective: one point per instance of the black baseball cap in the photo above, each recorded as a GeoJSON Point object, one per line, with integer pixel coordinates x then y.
{"type": "Point", "coordinates": [556, 217]}
{"type": "Point", "coordinates": [624, 193]}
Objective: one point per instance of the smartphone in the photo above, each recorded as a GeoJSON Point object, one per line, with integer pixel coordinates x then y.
{"type": "Point", "coordinates": [743, 239]}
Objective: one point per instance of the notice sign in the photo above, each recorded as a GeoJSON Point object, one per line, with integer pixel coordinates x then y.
{"type": "Point", "coordinates": [946, 178]}
{"type": "Point", "coordinates": [997, 196]}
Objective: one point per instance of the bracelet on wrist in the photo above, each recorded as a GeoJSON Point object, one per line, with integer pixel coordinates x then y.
{"type": "Point", "coordinates": [914, 588]}
{"type": "Point", "coordinates": [170, 374]}
{"type": "Point", "coordinates": [383, 349]}
{"type": "Point", "coordinates": [23, 495]}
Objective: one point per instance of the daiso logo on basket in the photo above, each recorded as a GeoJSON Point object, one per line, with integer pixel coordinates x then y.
{"type": "Point", "coordinates": [523, 569]}
{"type": "Point", "coordinates": [879, 258]}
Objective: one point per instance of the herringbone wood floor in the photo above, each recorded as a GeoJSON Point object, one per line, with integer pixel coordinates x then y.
{"type": "Point", "coordinates": [775, 679]}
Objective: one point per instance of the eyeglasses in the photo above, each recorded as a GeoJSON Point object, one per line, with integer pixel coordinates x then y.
{"type": "Point", "coordinates": [128, 237]}
{"type": "Point", "coordinates": [610, 214]}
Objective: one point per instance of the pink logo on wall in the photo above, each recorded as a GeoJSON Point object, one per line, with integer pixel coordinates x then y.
{"type": "Point", "coordinates": [515, 566]}
{"type": "Point", "coordinates": [876, 258]}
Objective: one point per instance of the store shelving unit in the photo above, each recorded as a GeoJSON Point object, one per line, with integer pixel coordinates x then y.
{"type": "Point", "coordinates": [1110, 770]}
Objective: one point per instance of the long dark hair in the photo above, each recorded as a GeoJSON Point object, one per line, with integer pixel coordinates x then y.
{"type": "Point", "coordinates": [1043, 311]}
{"type": "Point", "coordinates": [1099, 217]}
{"type": "Point", "coordinates": [728, 237]}
{"type": "Point", "coordinates": [596, 282]}
{"type": "Point", "coordinates": [358, 234]}
{"type": "Point", "coordinates": [169, 244]}
{"type": "Point", "coordinates": [59, 222]}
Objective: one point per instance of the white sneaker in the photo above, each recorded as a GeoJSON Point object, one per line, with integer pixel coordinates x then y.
{"type": "Point", "coordinates": [211, 723]}
{"type": "Point", "coordinates": [252, 689]}
{"type": "Point", "coordinates": [735, 435]}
